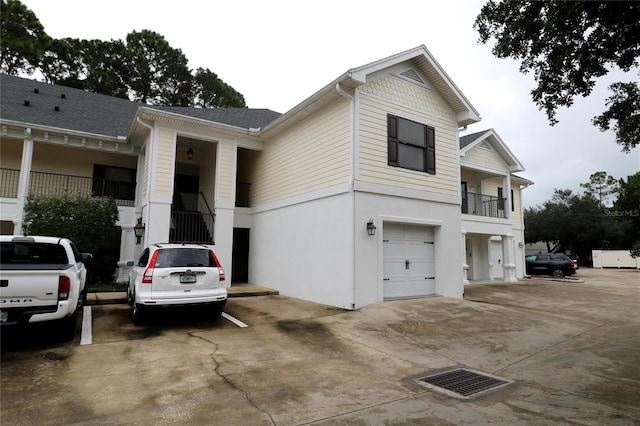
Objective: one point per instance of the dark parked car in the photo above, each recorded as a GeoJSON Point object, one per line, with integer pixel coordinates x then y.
{"type": "Point", "coordinates": [555, 264]}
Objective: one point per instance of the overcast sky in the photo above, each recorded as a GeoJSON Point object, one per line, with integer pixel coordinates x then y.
{"type": "Point", "coordinates": [278, 53]}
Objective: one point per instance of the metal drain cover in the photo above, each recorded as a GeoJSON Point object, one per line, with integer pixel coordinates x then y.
{"type": "Point", "coordinates": [461, 383]}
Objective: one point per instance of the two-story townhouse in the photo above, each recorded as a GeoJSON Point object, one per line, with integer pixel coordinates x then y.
{"type": "Point", "coordinates": [492, 216]}
{"type": "Point", "coordinates": [350, 198]}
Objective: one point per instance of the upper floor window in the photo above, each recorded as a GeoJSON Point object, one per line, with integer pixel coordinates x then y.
{"type": "Point", "coordinates": [411, 145]}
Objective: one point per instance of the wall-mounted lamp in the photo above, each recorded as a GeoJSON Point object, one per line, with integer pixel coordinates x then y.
{"type": "Point", "coordinates": [190, 152]}
{"type": "Point", "coordinates": [138, 230]}
{"type": "Point", "coordinates": [371, 228]}
{"type": "Point", "coordinates": [520, 245]}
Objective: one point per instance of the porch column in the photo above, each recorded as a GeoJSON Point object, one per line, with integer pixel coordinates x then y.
{"type": "Point", "coordinates": [507, 195]}
{"type": "Point", "coordinates": [508, 256]}
{"type": "Point", "coordinates": [465, 265]}
{"type": "Point", "coordinates": [23, 183]}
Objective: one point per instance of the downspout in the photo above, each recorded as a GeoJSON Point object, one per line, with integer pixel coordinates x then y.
{"type": "Point", "coordinates": [151, 163]}
{"type": "Point", "coordinates": [352, 172]}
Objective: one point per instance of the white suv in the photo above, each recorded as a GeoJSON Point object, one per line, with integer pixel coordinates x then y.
{"type": "Point", "coordinates": [176, 275]}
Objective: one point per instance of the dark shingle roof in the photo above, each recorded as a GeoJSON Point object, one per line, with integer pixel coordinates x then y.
{"type": "Point", "coordinates": [467, 139]}
{"type": "Point", "coordinates": [239, 117]}
{"type": "Point", "coordinates": [79, 110]}
{"type": "Point", "coordinates": [100, 114]}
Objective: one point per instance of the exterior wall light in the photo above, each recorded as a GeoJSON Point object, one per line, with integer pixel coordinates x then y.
{"type": "Point", "coordinates": [138, 230]}
{"type": "Point", "coordinates": [190, 153]}
{"type": "Point", "coordinates": [371, 228]}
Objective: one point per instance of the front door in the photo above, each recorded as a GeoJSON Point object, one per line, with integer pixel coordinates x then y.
{"type": "Point", "coordinates": [240, 256]}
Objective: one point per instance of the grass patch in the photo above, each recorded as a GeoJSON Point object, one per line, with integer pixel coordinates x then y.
{"type": "Point", "coordinates": [103, 287]}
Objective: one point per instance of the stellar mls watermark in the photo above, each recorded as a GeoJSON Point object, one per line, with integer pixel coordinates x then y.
{"type": "Point", "coordinates": [622, 213]}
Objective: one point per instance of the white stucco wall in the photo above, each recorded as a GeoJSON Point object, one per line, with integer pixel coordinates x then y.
{"type": "Point", "coordinates": [304, 249]}
{"type": "Point", "coordinates": [443, 215]}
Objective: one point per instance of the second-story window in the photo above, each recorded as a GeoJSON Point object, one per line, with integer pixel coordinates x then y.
{"type": "Point", "coordinates": [411, 145]}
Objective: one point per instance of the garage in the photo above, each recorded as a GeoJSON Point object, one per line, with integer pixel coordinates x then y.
{"type": "Point", "coordinates": [408, 261]}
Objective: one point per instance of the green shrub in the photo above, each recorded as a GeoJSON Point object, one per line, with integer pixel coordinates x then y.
{"type": "Point", "coordinates": [89, 222]}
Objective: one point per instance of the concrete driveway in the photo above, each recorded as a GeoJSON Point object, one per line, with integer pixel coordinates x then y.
{"type": "Point", "coordinates": [572, 350]}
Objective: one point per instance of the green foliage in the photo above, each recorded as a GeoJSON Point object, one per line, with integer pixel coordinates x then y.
{"type": "Point", "coordinates": [89, 222]}
{"type": "Point", "coordinates": [159, 73]}
{"type": "Point", "coordinates": [211, 92]}
{"type": "Point", "coordinates": [581, 222]}
{"type": "Point", "coordinates": [568, 45]}
{"type": "Point", "coordinates": [624, 112]}
{"type": "Point", "coordinates": [23, 39]}
{"type": "Point", "coordinates": [600, 186]}
{"type": "Point", "coordinates": [627, 210]}
{"type": "Point", "coordinates": [143, 68]}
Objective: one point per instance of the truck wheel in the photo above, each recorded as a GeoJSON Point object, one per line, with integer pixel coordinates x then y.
{"type": "Point", "coordinates": [68, 327]}
{"type": "Point", "coordinates": [558, 273]}
{"type": "Point", "coordinates": [138, 318]}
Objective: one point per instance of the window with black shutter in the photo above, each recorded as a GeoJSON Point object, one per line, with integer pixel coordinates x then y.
{"type": "Point", "coordinates": [411, 145]}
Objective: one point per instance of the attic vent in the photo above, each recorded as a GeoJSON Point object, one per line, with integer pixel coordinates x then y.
{"type": "Point", "coordinates": [412, 75]}
{"type": "Point", "coordinates": [486, 146]}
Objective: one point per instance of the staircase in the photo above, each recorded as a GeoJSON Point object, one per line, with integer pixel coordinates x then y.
{"type": "Point", "coordinates": [191, 227]}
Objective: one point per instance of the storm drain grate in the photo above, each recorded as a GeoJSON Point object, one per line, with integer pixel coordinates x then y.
{"type": "Point", "coordinates": [461, 382]}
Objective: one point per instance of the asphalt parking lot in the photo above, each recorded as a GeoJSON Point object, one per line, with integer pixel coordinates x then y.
{"type": "Point", "coordinates": [570, 351]}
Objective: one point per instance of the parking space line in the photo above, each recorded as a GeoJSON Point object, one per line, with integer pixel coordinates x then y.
{"type": "Point", "coordinates": [86, 337]}
{"type": "Point", "coordinates": [234, 320]}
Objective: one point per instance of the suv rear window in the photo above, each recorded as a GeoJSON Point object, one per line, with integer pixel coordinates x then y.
{"type": "Point", "coordinates": [32, 254]}
{"type": "Point", "coordinates": [183, 257]}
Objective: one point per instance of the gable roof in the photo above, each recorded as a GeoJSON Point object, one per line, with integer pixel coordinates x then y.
{"type": "Point", "coordinates": [98, 114]}
{"type": "Point", "coordinates": [490, 136]}
{"type": "Point", "coordinates": [423, 61]}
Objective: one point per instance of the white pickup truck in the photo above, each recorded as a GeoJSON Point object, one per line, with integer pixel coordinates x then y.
{"type": "Point", "coordinates": [42, 279]}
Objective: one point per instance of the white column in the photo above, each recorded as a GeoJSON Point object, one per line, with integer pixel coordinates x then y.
{"type": "Point", "coordinates": [465, 265]}
{"type": "Point", "coordinates": [508, 259]}
{"type": "Point", "coordinates": [23, 183]}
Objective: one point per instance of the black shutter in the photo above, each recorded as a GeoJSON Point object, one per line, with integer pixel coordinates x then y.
{"type": "Point", "coordinates": [392, 144]}
{"type": "Point", "coordinates": [431, 150]}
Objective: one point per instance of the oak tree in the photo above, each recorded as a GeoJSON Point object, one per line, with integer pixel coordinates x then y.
{"type": "Point", "coordinates": [568, 45]}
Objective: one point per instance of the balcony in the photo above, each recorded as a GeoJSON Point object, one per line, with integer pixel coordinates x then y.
{"type": "Point", "coordinates": [58, 184]}
{"type": "Point", "coordinates": [484, 205]}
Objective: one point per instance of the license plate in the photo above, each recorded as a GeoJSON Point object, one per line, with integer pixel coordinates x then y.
{"type": "Point", "coordinates": [4, 316]}
{"type": "Point", "coordinates": [187, 278]}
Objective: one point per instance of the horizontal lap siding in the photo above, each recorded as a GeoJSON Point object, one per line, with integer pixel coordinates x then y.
{"type": "Point", "coordinates": [486, 158]}
{"type": "Point", "coordinates": [165, 162]}
{"type": "Point", "coordinates": [516, 214]}
{"type": "Point", "coordinates": [394, 96]}
{"type": "Point", "coordinates": [310, 156]}
{"type": "Point", "coordinates": [227, 160]}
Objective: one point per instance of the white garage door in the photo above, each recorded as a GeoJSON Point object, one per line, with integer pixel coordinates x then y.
{"type": "Point", "coordinates": [408, 261]}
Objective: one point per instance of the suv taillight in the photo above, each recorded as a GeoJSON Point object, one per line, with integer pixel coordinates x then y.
{"type": "Point", "coordinates": [147, 277]}
{"type": "Point", "coordinates": [64, 287]}
{"type": "Point", "coordinates": [219, 265]}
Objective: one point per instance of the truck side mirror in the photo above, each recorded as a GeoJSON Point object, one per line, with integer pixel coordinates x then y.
{"type": "Point", "coordinates": [87, 259]}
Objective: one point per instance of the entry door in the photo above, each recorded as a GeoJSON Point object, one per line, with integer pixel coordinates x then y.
{"type": "Point", "coordinates": [408, 261]}
{"type": "Point", "coordinates": [496, 259]}
{"type": "Point", "coordinates": [240, 255]}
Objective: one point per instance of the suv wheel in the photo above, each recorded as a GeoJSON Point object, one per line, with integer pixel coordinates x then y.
{"type": "Point", "coordinates": [129, 295]}
{"type": "Point", "coordinates": [138, 318]}
{"type": "Point", "coordinates": [558, 273]}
